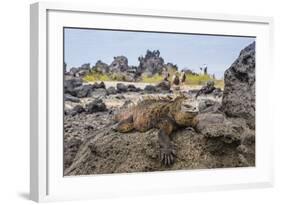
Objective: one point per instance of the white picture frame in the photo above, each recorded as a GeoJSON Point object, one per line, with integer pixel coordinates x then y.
{"type": "Point", "coordinates": [46, 177]}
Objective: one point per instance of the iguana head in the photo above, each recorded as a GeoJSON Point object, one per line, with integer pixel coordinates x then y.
{"type": "Point", "coordinates": [184, 112]}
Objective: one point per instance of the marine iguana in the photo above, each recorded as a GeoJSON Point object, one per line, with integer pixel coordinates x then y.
{"type": "Point", "coordinates": [182, 77]}
{"type": "Point", "coordinates": [206, 89]}
{"type": "Point", "coordinates": [167, 115]}
{"type": "Point", "coordinates": [175, 80]}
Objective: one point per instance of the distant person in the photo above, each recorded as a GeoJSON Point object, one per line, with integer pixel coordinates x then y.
{"type": "Point", "coordinates": [182, 77]}
{"type": "Point", "coordinates": [175, 79]}
{"type": "Point", "coordinates": [166, 75]}
{"type": "Point", "coordinates": [205, 69]}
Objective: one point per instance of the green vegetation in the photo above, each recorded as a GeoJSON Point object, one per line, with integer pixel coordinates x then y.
{"type": "Point", "coordinates": [157, 78]}
{"type": "Point", "coordinates": [190, 79]}
{"type": "Point", "coordinates": [96, 76]}
{"type": "Point", "coordinates": [117, 77]}
{"type": "Point", "coordinates": [202, 79]}
{"type": "Point", "coordinates": [197, 79]}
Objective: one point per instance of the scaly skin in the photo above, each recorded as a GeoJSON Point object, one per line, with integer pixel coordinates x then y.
{"type": "Point", "coordinates": [165, 115]}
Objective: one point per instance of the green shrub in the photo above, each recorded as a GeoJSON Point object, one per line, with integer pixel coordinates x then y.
{"type": "Point", "coordinates": [152, 79]}
{"type": "Point", "coordinates": [197, 79]}
{"type": "Point", "coordinates": [117, 77]}
{"type": "Point", "coordinates": [201, 80]}
{"type": "Point", "coordinates": [190, 79]}
{"type": "Point", "coordinates": [96, 76]}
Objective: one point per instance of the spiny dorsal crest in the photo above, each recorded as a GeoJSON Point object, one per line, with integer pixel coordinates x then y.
{"type": "Point", "coordinates": [155, 98]}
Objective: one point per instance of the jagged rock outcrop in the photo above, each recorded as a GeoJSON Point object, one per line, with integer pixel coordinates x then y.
{"type": "Point", "coordinates": [119, 64]}
{"type": "Point", "coordinates": [101, 67]}
{"type": "Point", "coordinates": [151, 63]}
{"type": "Point", "coordinates": [83, 70]}
{"type": "Point", "coordinates": [170, 67]}
{"type": "Point", "coordinates": [239, 90]}
{"type": "Point", "coordinates": [120, 70]}
{"type": "Point", "coordinates": [73, 71]}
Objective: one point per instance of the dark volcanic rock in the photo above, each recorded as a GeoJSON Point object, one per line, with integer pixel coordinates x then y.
{"type": "Point", "coordinates": [239, 90]}
{"type": "Point", "coordinates": [119, 64]}
{"type": "Point", "coordinates": [99, 85]}
{"type": "Point", "coordinates": [132, 88]}
{"type": "Point", "coordinates": [121, 87]}
{"type": "Point", "coordinates": [165, 85]}
{"type": "Point", "coordinates": [82, 91]}
{"type": "Point", "coordinates": [215, 125]}
{"type": "Point", "coordinates": [113, 152]}
{"type": "Point", "coordinates": [151, 64]}
{"type": "Point", "coordinates": [216, 142]}
{"type": "Point", "coordinates": [170, 67]}
{"type": "Point", "coordinates": [86, 66]}
{"type": "Point", "coordinates": [82, 73]}
{"type": "Point", "coordinates": [217, 92]}
{"type": "Point", "coordinates": [150, 88]}
{"type": "Point", "coordinates": [75, 110]}
{"type": "Point", "coordinates": [99, 92]}
{"type": "Point", "coordinates": [70, 149]}
{"type": "Point", "coordinates": [73, 71]}
{"type": "Point", "coordinates": [70, 83]}
{"type": "Point", "coordinates": [188, 71]}
{"type": "Point", "coordinates": [101, 67]}
{"type": "Point", "coordinates": [68, 97]}
{"type": "Point", "coordinates": [83, 70]}
{"type": "Point", "coordinates": [221, 133]}
{"type": "Point", "coordinates": [111, 91]}
{"type": "Point", "coordinates": [208, 105]}
{"type": "Point", "coordinates": [95, 106]}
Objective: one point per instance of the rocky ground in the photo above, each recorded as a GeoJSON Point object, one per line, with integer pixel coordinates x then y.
{"type": "Point", "coordinates": [224, 136]}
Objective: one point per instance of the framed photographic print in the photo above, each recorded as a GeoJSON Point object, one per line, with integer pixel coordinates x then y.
{"type": "Point", "coordinates": [128, 101]}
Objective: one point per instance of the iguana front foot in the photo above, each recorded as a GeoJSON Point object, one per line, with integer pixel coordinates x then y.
{"type": "Point", "coordinates": [167, 155]}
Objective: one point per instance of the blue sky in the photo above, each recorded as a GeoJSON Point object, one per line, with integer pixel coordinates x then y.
{"type": "Point", "coordinates": [185, 50]}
